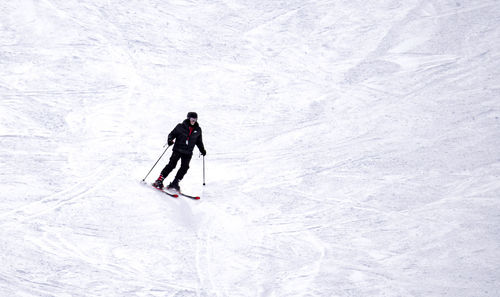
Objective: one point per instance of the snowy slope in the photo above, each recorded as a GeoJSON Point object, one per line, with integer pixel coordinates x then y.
{"type": "Point", "coordinates": [353, 148]}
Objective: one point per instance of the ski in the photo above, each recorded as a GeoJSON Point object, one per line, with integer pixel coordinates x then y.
{"type": "Point", "coordinates": [185, 195]}
{"type": "Point", "coordinates": [189, 196]}
{"type": "Point", "coordinates": [165, 192]}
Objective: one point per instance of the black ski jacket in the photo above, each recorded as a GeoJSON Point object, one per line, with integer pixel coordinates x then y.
{"type": "Point", "coordinates": [184, 143]}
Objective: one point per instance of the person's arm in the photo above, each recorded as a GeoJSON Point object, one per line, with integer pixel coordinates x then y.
{"type": "Point", "coordinates": [173, 135]}
{"type": "Point", "coordinates": [199, 144]}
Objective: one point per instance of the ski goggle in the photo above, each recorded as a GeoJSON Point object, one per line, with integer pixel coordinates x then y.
{"type": "Point", "coordinates": [193, 119]}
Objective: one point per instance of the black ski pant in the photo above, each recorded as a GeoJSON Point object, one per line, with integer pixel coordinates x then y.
{"type": "Point", "coordinates": [185, 159]}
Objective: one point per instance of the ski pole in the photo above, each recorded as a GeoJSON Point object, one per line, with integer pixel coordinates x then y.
{"type": "Point", "coordinates": [203, 170]}
{"type": "Point", "coordinates": [156, 162]}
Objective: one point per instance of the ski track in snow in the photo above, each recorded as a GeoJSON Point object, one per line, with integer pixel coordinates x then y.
{"type": "Point", "coordinates": [352, 148]}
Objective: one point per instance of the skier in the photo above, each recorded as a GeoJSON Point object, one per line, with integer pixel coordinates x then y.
{"type": "Point", "coordinates": [186, 135]}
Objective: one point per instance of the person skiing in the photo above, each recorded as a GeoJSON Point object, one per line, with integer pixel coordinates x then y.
{"type": "Point", "coordinates": [186, 135]}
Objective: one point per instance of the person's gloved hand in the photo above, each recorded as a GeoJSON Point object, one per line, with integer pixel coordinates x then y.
{"type": "Point", "coordinates": [203, 153]}
{"type": "Point", "coordinates": [170, 142]}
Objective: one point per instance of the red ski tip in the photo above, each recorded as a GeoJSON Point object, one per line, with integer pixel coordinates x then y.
{"type": "Point", "coordinates": [197, 198]}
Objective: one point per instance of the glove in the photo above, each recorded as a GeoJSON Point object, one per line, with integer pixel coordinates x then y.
{"type": "Point", "coordinates": [203, 153]}
{"type": "Point", "coordinates": [170, 142]}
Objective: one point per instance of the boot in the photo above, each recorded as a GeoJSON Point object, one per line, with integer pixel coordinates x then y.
{"type": "Point", "coordinates": [159, 182]}
{"type": "Point", "coordinates": [174, 185]}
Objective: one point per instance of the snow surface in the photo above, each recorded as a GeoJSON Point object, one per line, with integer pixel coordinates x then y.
{"type": "Point", "coordinates": [353, 147]}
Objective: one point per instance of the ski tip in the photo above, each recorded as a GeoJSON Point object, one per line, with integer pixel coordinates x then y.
{"type": "Point", "coordinates": [175, 195]}
{"type": "Point", "coordinates": [197, 198]}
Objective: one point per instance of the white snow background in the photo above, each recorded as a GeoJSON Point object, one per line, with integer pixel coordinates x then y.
{"type": "Point", "coordinates": [353, 148]}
